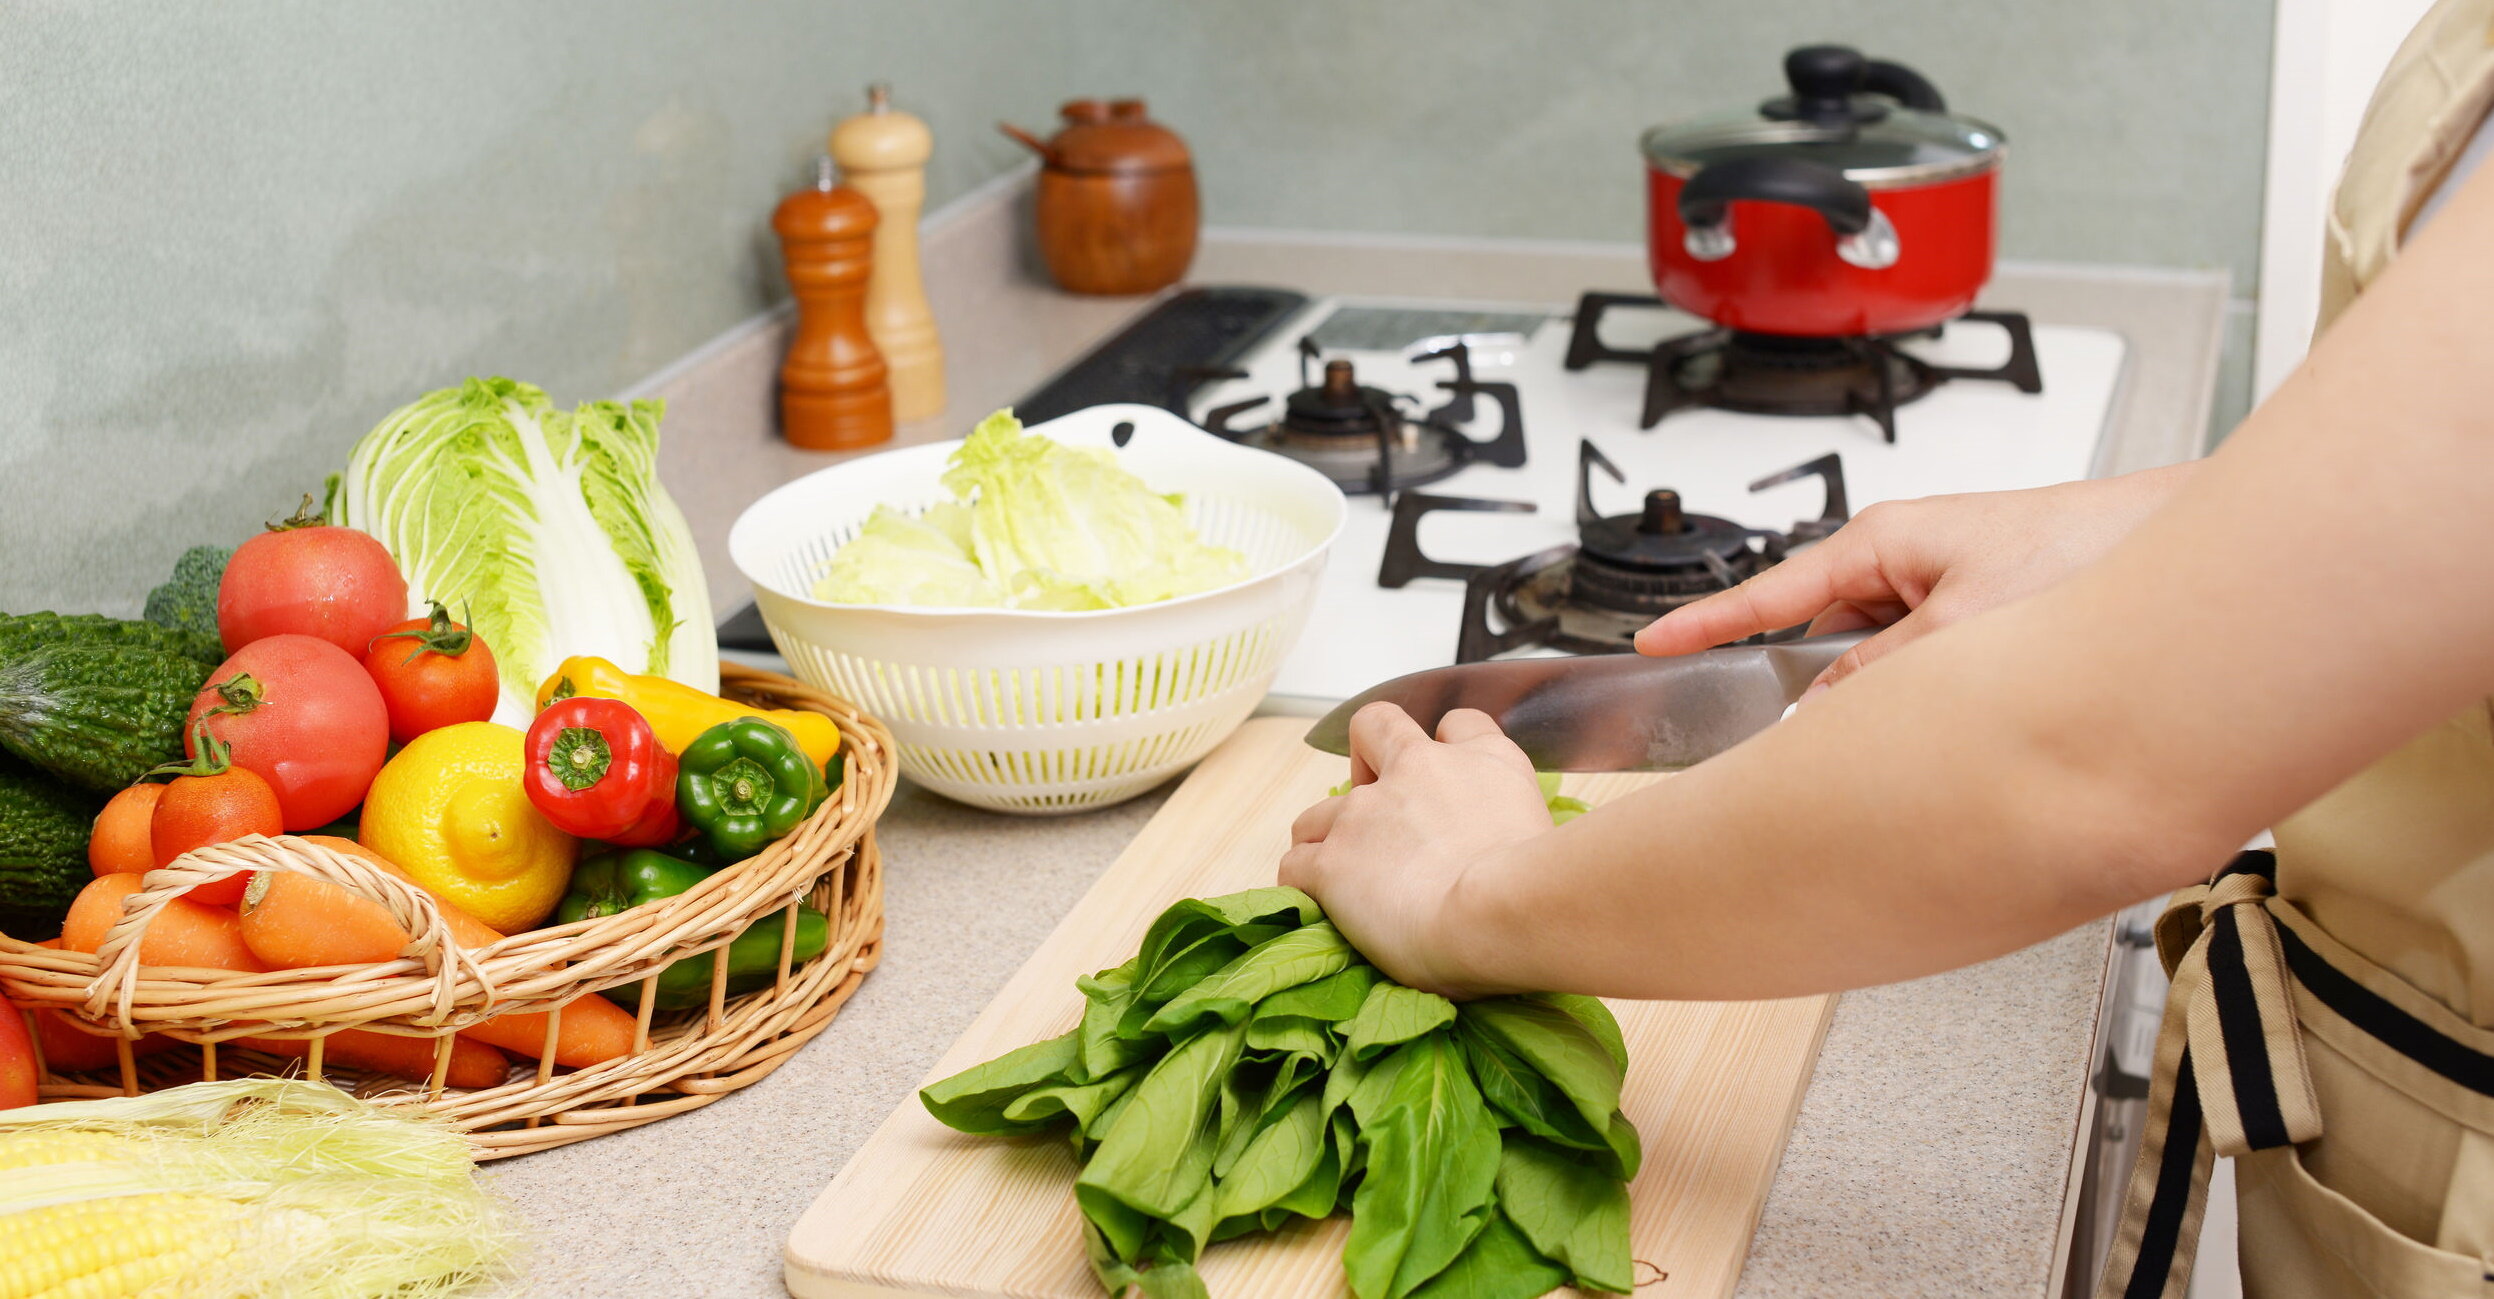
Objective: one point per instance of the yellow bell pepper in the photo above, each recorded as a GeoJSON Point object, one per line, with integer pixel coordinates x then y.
{"type": "Point", "coordinates": [678, 712]}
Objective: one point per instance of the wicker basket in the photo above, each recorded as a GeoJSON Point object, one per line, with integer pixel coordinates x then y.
{"type": "Point", "coordinates": [683, 1059]}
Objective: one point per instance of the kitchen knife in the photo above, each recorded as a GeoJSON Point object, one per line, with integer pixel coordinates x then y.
{"type": "Point", "coordinates": [1610, 712]}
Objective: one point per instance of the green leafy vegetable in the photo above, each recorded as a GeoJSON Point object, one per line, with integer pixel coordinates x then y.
{"type": "Point", "coordinates": [1247, 1068]}
{"type": "Point", "coordinates": [547, 529]}
{"type": "Point", "coordinates": [1034, 524]}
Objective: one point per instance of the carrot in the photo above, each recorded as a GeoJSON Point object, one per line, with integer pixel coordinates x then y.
{"type": "Point", "coordinates": [292, 921]}
{"type": "Point", "coordinates": [123, 838]}
{"type": "Point", "coordinates": [68, 1048]}
{"type": "Point", "coordinates": [210, 938]}
{"type": "Point", "coordinates": [472, 1064]}
{"type": "Point", "coordinates": [184, 934]}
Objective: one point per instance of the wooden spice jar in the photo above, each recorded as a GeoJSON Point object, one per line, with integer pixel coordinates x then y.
{"type": "Point", "coordinates": [1117, 205]}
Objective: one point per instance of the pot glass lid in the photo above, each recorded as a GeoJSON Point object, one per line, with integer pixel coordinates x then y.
{"type": "Point", "coordinates": [1901, 146]}
{"type": "Point", "coordinates": [1879, 123]}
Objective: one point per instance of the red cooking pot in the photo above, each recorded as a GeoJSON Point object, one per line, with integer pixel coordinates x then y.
{"type": "Point", "coordinates": [1858, 204]}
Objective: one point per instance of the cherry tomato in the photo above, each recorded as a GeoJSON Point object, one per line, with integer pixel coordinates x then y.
{"type": "Point", "coordinates": [302, 715]}
{"type": "Point", "coordinates": [433, 673]}
{"type": "Point", "coordinates": [121, 838]}
{"type": "Point", "coordinates": [17, 1060]}
{"type": "Point", "coordinates": [308, 578]}
{"type": "Point", "coordinates": [219, 808]}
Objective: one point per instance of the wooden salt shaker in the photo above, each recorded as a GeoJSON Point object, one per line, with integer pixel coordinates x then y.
{"type": "Point", "coordinates": [882, 154]}
{"type": "Point", "coordinates": [833, 394]}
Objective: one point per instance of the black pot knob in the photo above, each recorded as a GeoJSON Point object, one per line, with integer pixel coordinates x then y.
{"type": "Point", "coordinates": [1824, 78]}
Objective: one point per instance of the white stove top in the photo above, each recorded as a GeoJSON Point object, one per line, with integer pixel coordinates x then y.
{"type": "Point", "coordinates": [1968, 435]}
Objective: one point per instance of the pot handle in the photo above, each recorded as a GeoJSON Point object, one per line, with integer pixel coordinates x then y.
{"type": "Point", "coordinates": [1863, 235]}
{"type": "Point", "coordinates": [1902, 84]}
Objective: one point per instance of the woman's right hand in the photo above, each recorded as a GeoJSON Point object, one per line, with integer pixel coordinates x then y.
{"type": "Point", "coordinates": [1915, 566]}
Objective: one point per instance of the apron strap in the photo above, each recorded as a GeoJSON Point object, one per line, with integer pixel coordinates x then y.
{"type": "Point", "coordinates": [2230, 1074]}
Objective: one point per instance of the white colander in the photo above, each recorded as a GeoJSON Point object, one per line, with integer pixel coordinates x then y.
{"type": "Point", "coordinates": [1037, 711]}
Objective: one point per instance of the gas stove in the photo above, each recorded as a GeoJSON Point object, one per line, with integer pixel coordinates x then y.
{"type": "Point", "coordinates": [1371, 441]}
{"type": "Point", "coordinates": [1622, 572]}
{"type": "Point", "coordinates": [1537, 557]}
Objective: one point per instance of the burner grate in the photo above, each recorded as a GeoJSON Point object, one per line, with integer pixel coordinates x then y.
{"type": "Point", "coordinates": [1768, 374]}
{"type": "Point", "coordinates": [1624, 571]}
{"type": "Point", "coordinates": [1369, 441]}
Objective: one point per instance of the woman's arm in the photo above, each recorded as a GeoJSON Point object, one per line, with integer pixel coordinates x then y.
{"type": "Point", "coordinates": [2318, 592]}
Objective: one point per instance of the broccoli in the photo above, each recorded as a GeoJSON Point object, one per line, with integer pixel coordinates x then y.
{"type": "Point", "coordinates": [188, 601]}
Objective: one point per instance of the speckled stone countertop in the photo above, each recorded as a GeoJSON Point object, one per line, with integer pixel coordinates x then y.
{"type": "Point", "coordinates": [1932, 1155]}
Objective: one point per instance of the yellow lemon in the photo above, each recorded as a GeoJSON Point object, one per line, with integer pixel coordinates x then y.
{"type": "Point", "coordinates": [450, 810]}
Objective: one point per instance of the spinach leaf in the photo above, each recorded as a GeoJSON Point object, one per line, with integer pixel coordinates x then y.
{"type": "Point", "coordinates": [1597, 1019]}
{"type": "Point", "coordinates": [1432, 1162]}
{"type": "Point", "coordinates": [1575, 1215]}
{"type": "Point", "coordinates": [1330, 1000]}
{"type": "Point", "coordinates": [1290, 1035]}
{"type": "Point", "coordinates": [1559, 1048]}
{"type": "Point", "coordinates": [1157, 1154]}
{"type": "Point", "coordinates": [1392, 1015]}
{"type": "Point", "coordinates": [1279, 1160]}
{"type": "Point", "coordinates": [1500, 1263]}
{"type": "Point", "coordinates": [1085, 1102]}
{"type": "Point", "coordinates": [975, 1099]}
{"type": "Point", "coordinates": [1520, 1096]}
{"type": "Point", "coordinates": [1301, 956]}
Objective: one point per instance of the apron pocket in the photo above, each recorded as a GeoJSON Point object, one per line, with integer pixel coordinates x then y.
{"type": "Point", "coordinates": [2302, 1240]}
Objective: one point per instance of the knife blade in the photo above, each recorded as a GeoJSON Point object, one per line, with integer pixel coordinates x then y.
{"type": "Point", "coordinates": [1610, 712]}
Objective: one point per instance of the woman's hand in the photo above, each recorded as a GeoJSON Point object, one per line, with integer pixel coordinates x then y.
{"type": "Point", "coordinates": [1385, 858]}
{"type": "Point", "coordinates": [1913, 567]}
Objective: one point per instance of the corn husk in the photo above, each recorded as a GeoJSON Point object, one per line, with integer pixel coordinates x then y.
{"type": "Point", "coordinates": [340, 1197]}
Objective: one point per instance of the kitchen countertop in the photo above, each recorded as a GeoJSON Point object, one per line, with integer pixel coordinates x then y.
{"type": "Point", "coordinates": [1932, 1154]}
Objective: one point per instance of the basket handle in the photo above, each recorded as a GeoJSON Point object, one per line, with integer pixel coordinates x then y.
{"type": "Point", "coordinates": [115, 986]}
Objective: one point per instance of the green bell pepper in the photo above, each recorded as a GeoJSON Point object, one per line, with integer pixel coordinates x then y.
{"type": "Point", "coordinates": [744, 783]}
{"type": "Point", "coordinates": [622, 879]}
{"type": "Point", "coordinates": [618, 881]}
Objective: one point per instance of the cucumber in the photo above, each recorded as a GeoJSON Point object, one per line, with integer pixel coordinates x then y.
{"type": "Point", "coordinates": [23, 632]}
{"type": "Point", "coordinates": [43, 852]}
{"type": "Point", "coordinates": [96, 716]}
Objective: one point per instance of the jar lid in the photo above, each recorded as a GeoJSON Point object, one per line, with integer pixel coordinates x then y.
{"type": "Point", "coordinates": [1880, 124]}
{"type": "Point", "coordinates": [1115, 136]}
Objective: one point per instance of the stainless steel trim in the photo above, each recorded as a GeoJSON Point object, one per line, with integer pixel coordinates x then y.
{"type": "Point", "coordinates": [1876, 248]}
{"type": "Point", "coordinates": [1709, 243]}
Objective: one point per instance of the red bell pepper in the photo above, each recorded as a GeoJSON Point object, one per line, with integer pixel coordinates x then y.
{"type": "Point", "coordinates": [596, 769]}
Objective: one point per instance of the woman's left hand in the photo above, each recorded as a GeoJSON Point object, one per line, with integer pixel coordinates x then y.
{"type": "Point", "coordinates": [1385, 860]}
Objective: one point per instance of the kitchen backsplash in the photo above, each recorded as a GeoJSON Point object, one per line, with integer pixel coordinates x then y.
{"type": "Point", "coordinates": [238, 236]}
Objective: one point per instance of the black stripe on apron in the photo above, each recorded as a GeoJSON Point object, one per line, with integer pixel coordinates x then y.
{"type": "Point", "coordinates": [2177, 1184]}
{"type": "Point", "coordinates": [2247, 1042]}
{"type": "Point", "coordinates": [2395, 1028]}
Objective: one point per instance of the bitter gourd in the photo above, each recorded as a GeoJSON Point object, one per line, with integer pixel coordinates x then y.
{"type": "Point", "coordinates": [22, 632]}
{"type": "Point", "coordinates": [97, 716]}
{"type": "Point", "coordinates": [43, 852]}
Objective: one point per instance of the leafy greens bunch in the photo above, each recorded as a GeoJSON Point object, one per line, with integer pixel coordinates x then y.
{"type": "Point", "coordinates": [1247, 1067]}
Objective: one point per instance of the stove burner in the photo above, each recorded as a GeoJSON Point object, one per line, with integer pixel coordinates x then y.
{"type": "Point", "coordinates": [1624, 571]}
{"type": "Point", "coordinates": [1364, 440]}
{"type": "Point", "coordinates": [1774, 374]}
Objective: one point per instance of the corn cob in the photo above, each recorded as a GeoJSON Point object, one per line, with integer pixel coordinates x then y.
{"type": "Point", "coordinates": [106, 1249]}
{"type": "Point", "coordinates": [37, 1148]}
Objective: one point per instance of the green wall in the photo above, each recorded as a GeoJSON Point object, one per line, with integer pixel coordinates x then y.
{"type": "Point", "coordinates": [238, 234]}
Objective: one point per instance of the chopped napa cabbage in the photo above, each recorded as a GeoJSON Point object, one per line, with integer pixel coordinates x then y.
{"type": "Point", "coordinates": [1035, 525]}
{"type": "Point", "coordinates": [545, 530]}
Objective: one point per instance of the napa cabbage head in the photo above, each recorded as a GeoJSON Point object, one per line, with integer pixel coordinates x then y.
{"type": "Point", "coordinates": [546, 530]}
{"type": "Point", "coordinates": [1035, 524]}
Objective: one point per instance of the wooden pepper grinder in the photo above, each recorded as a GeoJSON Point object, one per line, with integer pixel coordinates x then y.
{"type": "Point", "coordinates": [882, 154]}
{"type": "Point", "coordinates": [833, 395]}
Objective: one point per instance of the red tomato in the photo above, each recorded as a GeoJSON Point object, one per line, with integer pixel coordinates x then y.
{"type": "Point", "coordinates": [196, 811]}
{"type": "Point", "coordinates": [310, 579]}
{"type": "Point", "coordinates": [308, 720]}
{"type": "Point", "coordinates": [17, 1060]}
{"type": "Point", "coordinates": [433, 673]}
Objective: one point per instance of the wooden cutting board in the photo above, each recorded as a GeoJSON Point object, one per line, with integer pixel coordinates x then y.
{"type": "Point", "coordinates": [924, 1210]}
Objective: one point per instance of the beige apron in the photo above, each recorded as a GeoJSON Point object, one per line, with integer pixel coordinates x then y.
{"type": "Point", "coordinates": [2329, 1025]}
